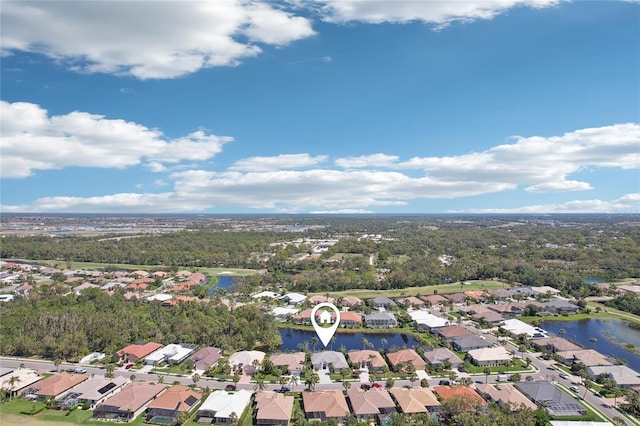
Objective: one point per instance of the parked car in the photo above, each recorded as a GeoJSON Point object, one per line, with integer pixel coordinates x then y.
{"type": "Point", "coordinates": [80, 370]}
{"type": "Point", "coordinates": [128, 366]}
{"type": "Point", "coordinates": [230, 387]}
{"type": "Point", "coordinates": [564, 375]}
{"type": "Point", "coordinates": [575, 388]}
{"type": "Point", "coordinates": [444, 382]}
{"type": "Point", "coordinates": [365, 386]}
{"type": "Point", "coordinates": [284, 389]}
{"type": "Point", "coordinates": [376, 385]}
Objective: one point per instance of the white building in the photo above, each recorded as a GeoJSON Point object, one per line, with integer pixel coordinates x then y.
{"type": "Point", "coordinates": [221, 406]}
{"type": "Point", "coordinates": [171, 354]}
{"type": "Point", "coordinates": [245, 360]}
{"type": "Point", "coordinates": [426, 321]}
{"type": "Point", "coordinates": [516, 327]}
{"type": "Point", "coordinates": [92, 357]}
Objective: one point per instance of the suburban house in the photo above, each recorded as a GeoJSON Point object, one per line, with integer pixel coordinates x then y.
{"type": "Point", "coordinates": [173, 402]}
{"type": "Point", "coordinates": [545, 290]}
{"type": "Point", "coordinates": [500, 293]}
{"type": "Point", "coordinates": [321, 299]}
{"type": "Point", "coordinates": [405, 356]}
{"type": "Point", "coordinates": [283, 313]}
{"type": "Point", "coordinates": [469, 342]}
{"type": "Point", "coordinates": [16, 382]}
{"type": "Point", "coordinates": [464, 393]}
{"type": "Point", "coordinates": [504, 394]}
{"type": "Point", "coordinates": [477, 295]}
{"type": "Point", "coordinates": [206, 357]}
{"type": "Point", "coordinates": [94, 391]}
{"type": "Point", "coordinates": [170, 354]}
{"type": "Point", "coordinates": [624, 376]}
{"type": "Point", "coordinates": [556, 344]}
{"type": "Point", "coordinates": [348, 319]}
{"type": "Point", "coordinates": [273, 408]}
{"type": "Point", "coordinates": [325, 405]}
{"type": "Point", "coordinates": [435, 299]}
{"type": "Point", "coordinates": [55, 385]}
{"type": "Point", "coordinates": [439, 356]}
{"type": "Point", "coordinates": [382, 302]}
{"type": "Point", "coordinates": [451, 332]}
{"type": "Point", "coordinates": [493, 356]}
{"type": "Point", "coordinates": [559, 306]}
{"type": "Point", "coordinates": [223, 407]}
{"type": "Point", "coordinates": [456, 298]}
{"type": "Point", "coordinates": [425, 321]}
{"type": "Point", "coordinates": [416, 400]}
{"type": "Point", "coordinates": [588, 357]}
{"type": "Point", "coordinates": [247, 362]}
{"type": "Point", "coordinates": [328, 359]}
{"type": "Point", "coordinates": [489, 316]}
{"type": "Point", "coordinates": [129, 402]}
{"type": "Point", "coordinates": [381, 320]}
{"type": "Point", "coordinates": [294, 298]}
{"type": "Point", "coordinates": [369, 359]}
{"type": "Point", "coordinates": [350, 302]}
{"type": "Point", "coordinates": [554, 400]}
{"type": "Point", "coordinates": [515, 327]}
{"type": "Point", "coordinates": [133, 353]}
{"type": "Point", "coordinates": [411, 301]}
{"type": "Point", "coordinates": [303, 317]}
{"type": "Point", "coordinates": [368, 405]}
{"type": "Point", "coordinates": [293, 362]}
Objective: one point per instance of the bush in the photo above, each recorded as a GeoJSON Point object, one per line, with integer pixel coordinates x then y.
{"type": "Point", "coordinates": [34, 410]}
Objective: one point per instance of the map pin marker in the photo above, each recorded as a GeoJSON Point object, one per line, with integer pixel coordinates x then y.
{"type": "Point", "coordinates": [325, 333]}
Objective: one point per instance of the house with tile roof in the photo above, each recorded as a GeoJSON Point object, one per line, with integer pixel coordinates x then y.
{"type": "Point", "coordinates": [24, 378]}
{"type": "Point", "coordinates": [451, 332]}
{"type": "Point", "coordinates": [369, 359]}
{"type": "Point", "coordinates": [504, 394]}
{"type": "Point", "coordinates": [55, 385]}
{"type": "Point", "coordinates": [381, 320]}
{"type": "Point", "coordinates": [93, 391]}
{"type": "Point", "coordinates": [328, 359]}
{"type": "Point", "coordinates": [273, 408]}
{"type": "Point", "coordinates": [133, 353]}
{"type": "Point", "coordinates": [350, 302]}
{"type": "Point", "coordinates": [588, 357]}
{"type": "Point", "coordinates": [488, 357]}
{"type": "Point", "coordinates": [247, 362]}
{"type": "Point", "coordinates": [416, 400]}
{"type": "Point", "coordinates": [624, 376]}
{"type": "Point", "coordinates": [325, 405]}
{"type": "Point", "coordinates": [439, 356]}
{"type": "Point", "coordinates": [348, 319]}
{"type": "Point", "coordinates": [206, 357]}
{"type": "Point", "coordinates": [405, 356]}
{"type": "Point", "coordinates": [411, 301]}
{"type": "Point", "coordinates": [131, 401]}
{"type": "Point", "coordinates": [463, 393]}
{"type": "Point", "coordinates": [556, 344]}
{"type": "Point", "coordinates": [221, 406]}
{"type": "Point", "coordinates": [368, 405]}
{"type": "Point", "coordinates": [293, 362]}
{"type": "Point", "coordinates": [173, 402]}
{"type": "Point", "coordinates": [435, 299]}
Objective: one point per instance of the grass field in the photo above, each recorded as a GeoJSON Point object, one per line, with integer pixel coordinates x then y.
{"type": "Point", "coordinates": [94, 265]}
{"type": "Point", "coordinates": [414, 291]}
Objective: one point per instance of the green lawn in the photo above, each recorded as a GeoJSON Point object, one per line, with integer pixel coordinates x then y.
{"type": "Point", "coordinates": [414, 291]}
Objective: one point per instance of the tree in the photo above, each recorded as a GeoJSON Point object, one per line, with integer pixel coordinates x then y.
{"type": "Point", "coordinates": [195, 378]}
{"type": "Point", "coordinates": [57, 363]}
{"type": "Point", "coordinates": [11, 383]}
{"type": "Point", "coordinates": [236, 378]}
{"type": "Point", "coordinates": [109, 371]}
{"type": "Point", "coordinates": [486, 371]}
{"type": "Point", "coordinates": [260, 385]}
{"type": "Point", "coordinates": [346, 385]}
{"type": "Point", "coordinates": [314, 342]}
{"type": "Point", "coordinates": [562, 332]}
{"type": "Point", "coordinates": [593, 341]}
{"type": "Point", "coordinates": [389, 383]}
{"type": "Point", "coordinates": [383, 343]}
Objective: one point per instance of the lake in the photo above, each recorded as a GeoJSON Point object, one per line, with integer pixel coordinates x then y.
{"type": "Point", "coordinates": [224, 282]}
{"type": "Point", "coordinates": [611, 334]}
{"type": "Point", "coordinates": [292, 338]}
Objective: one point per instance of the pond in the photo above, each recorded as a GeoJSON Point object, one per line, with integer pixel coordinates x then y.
{"type": "Point", "coordinates": [294, 339]}
{"type": "Point", "coordinates": [611, 335]}
{"type": "Point", "coordinates": [590, 280]}
{"type": "Point", "coordinates": [224, 282]}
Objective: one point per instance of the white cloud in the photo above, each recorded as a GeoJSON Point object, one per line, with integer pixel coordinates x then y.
{"type": "Point", "coordinates": [629, 203]}
{"type": "Point", "coordinates": [278, 162]}
{"type": "Point", "coordinates": [148, 39]}
{"type": "Point", "coordinates": [364, 161]}
{"type": "Point", "coordinates": [33, 140]}
{"type": "Point", "coordinates": [293, 183]}
{"type": "Point", "coordinates": [439, 13]}
{"type": "Point", "coordinates": [541, 162]}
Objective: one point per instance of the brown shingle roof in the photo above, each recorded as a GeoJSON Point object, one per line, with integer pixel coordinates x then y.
{"type": "Point", "coordinates": [134, 396]}
{"type": "Point", "coordinates": [139, 351]}
{"type": "Point", "coordinates": [414, 400]}
{"type": "Point", "coordinates": [59, 383]}
{"type": "Point", "coordinates": [369, 356]}
{"type": "Point", "coordinates": [463, 392]}
{"type": "Point", "coordinates": [370, 402]}
{"type": "Point", "coordinates": [404, 356]}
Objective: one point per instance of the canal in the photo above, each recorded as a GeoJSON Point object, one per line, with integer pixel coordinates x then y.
{"type": "Point", "coordinates": [295, 339]}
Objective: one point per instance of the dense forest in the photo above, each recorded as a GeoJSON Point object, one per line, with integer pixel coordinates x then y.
{"type": "Point", "coordinates": [558, 251]}
{"type": "Point", "coordinates": [68, 326]}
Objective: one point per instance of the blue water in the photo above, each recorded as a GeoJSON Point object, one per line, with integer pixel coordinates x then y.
{"type": "Point", "coordinates": [293, 338]}
{"type": "Point", "coordinates": [593, 280]}
{"type": "Point", "coordinates": [224, 282]}
{"type": "Point", "coordinates": [608, 331]}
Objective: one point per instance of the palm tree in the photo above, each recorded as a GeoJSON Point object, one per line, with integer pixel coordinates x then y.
{"type": "Point", "coordinates": [365, 343]}
{"type": "Point", "coordinates": [260, 385]}
{"type": "Point", "coordinates": [383, 343]}
{"type": "Point", "coordinates": [562, 332]}
{"type": "Point", "coordinates": [486, 372]}
{"type": "Point", "coordinates": [236, 378]}
{"type": "Point", "coordinates": [57, 363]}
{"type": "Point", "coordinates": [109, 371]}
{"type": "Point", "coordinates": [314, 342]}
{"type": "Point", "coordinates": [11, 382]}
{"type": "Point", "coordinates": [389, 383]}
{"type": "Point", "coordinates": [195, 378]}
{"type": "Point", "coordinates": [293, 380]}
{"type": "Point", "coordinates": [346, 385]}
{"type": "Point", "coordinates": [593, 340]}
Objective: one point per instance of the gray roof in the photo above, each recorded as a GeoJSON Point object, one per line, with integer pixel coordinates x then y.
{"type": "Point", "coordinates": [439, 355]}
{"type": "Point", "coordinates": [561, 304]}
{"type": "Point", "coordinates": [380, 316]}
{"type": "Point", "coordinates": [471, 340]}
{"type": "Point", "coordinates": [383, 301]}
{"type": "Point", "coordinates": [541, 390]}
{"type": "Point", "coordinates": [621, 374]}
{"type": "Point", "coordinates": [334, 358]}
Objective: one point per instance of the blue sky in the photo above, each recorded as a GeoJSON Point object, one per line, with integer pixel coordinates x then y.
{"type": "Point", "coordinates": [320, 106]}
